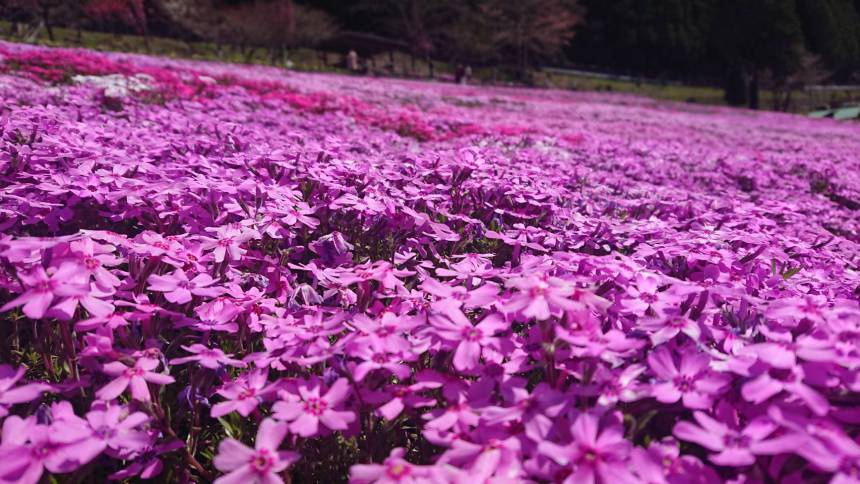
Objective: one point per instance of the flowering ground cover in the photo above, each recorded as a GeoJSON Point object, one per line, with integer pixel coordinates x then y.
{"type": "Point", "coordinates": [214, 272]}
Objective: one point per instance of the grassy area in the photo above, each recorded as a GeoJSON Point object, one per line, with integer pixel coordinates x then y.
{"type": "Point", "coordinates": [672, 92]}
{"type": "Point", "coordinates": [803, 102]}
{"type": "Point", "coordinates": [403, 65]}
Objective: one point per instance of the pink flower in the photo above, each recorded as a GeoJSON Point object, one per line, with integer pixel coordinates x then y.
{"type": "Point", "coordinates": [393, 470]}
{"type": "Point", "coordinates": [470, 340]}
{"type": "Point", "coordinates": [148, 464]}
{"type": "Point", "coordinates": [105, 426]}
{"type": "Point", "coordinates": [375, 355]}
{"type": "Point", "coordinates": [94, 260]}
{"type": "Point", "coordinates": [774, 381]}
{"type": "Point", "coordinates": [306, 408]}
{"type": "Point", "coordinates": [491, 456]}
{"type": "Point", "coordinates": [593, 454]}
{"type": "Point", "coordinates": [135, 377]}
{"type": "Point", "coordinates": [300, 214]}
{"type": "Point", "coordinates": [29, 448]}
{"type": "Point", "coordinates": [541, 297]}
{"type": "Point", "coordinates": [228, 242]}
{"type": "Point", "coordinates": [399, 397]}
{"type": "Point", "coordinates": [40, 290]}
{"type": "Point", "coordinates": [179, 289]}
{"type": "Point", "coordinates": [535, 410]}
{"type": "Point", "coordinates": [218, 314]}
{"type": "Point", "coordinates": [212, 358]}
{"type": "Point", "coordinates": [244, 394]}
{"type": "Point", "coordinates": [20, 394]}
{"type": "Point", "coordinates": [260, 465]}
{"type": "Point", "coordinates": [664, 328]}
{"type": "Point", "coordinates": [791, 310]}
{"type": "Point", "coordinates": [734, 448]}
{"type": "Point", "coordinates": [457, 296]}
{"type": "Point", "coordinates": [93, 302]}
{"type": "Point", "coordinates": [643, 294]}
{"type": "Point", "coordinates": [692, 381]}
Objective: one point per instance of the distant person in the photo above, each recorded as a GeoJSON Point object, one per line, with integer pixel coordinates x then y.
{"type": "Point", "coordinates": [352, 61]}
{"type": "Point", "coordinates": [467, 74]}
{"type": "Point", "coordinates": [459, 74]}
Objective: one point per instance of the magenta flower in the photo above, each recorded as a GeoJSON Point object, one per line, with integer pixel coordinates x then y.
{"type": "Point", "coordinates": [244, 394]}
{"type": "Point", "coordinates": [218, 314]}
{"type": "Point", "coordinates": [40, 290]}
{"type": "Point", "coordinates": [179, 289]}
{"type": "Point", "coordinates": [260, 465]}
{"type": "Point", "coordinates": [390, 329]}
{"type": "Point", "coordinates": [775, 381]}
{"type": "Point", "coordinates": [393, 470]}
{"type": "Point", "coordinates": [469, 265]}
{"type": "Point", "coordinates": [105, 426]}
{"type": "Point", "coordinates": [11, 394]}
{"type": "Point", "coordinates": [93, 302]}
{"type": "Point", "coordinates": [228, 242]}
{"type": "Point", "coordinates": [491, 456]}
{"type": "Point", "coordinates": [535, 410]}
{"type": "Point", "coordinates": [452, 298]}
{"type": "Point", "coordinates": [692, 381]}
{"type": "Point", "coordinates": [541, 297]}
{"type": "Point", "coordinates": [665, 328]}
{"type": "Point", "coordinates": [29, 448]}
{"type": "Point", "coordinates": [400, 397]}
{"type": "Point", "coordinates": [733, 447]}
{"type": "Point", "coordinates": [594, 455]}
{"type": "Point", "coordinates": [615, 386]}
{"type": "Point", "coordinates": [137, 377]}
{"type": "Point", "coordinates": [470, 340]}
{"type": "Point", "coordinates": [95, 260]}
{"type": "Point", "coordinates": [212, 358]}
{"type": "Point", "coordinates": [148, 463]}
{"type": "Point", "coordinates": [642, 295]}
{"type": "Point", "coordinates": [300, 214]}
{"type": "Point", "coordinates": [376, 356]}
{"type": "Point", "coordinates": [305, 408]}
{"type": "Point", "coordinates": [790, 311]}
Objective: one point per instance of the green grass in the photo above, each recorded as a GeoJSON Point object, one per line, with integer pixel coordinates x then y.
{"type": "Point", "coordinates": [803, 102]}
{"type": "Point", "coordinates": [672, 92]}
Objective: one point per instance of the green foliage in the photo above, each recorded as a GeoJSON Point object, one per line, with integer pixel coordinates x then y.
{"type": "Point", "coordinates": [832, 29]}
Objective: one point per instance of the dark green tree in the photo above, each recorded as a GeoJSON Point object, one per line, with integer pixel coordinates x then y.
{"type": "Point", "coordinates": [649, 36]}
{"type": "Point", "coordinates": [755, 37]}
{"type": "Point", "coordinates": [832, 30]}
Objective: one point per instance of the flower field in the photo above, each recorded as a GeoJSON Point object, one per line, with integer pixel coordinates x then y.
{"type": "Point", "coordinates": [239, 274]}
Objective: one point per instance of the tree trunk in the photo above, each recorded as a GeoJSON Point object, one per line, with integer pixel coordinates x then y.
{"type": "Point", "coordinates": [735, 87]}
{"type": "Point", "coordinates": [786, 105]}
{"type": "Point", "coordinates": [46, 18]}
{"type": "Point", "coordinates": [754, 90]}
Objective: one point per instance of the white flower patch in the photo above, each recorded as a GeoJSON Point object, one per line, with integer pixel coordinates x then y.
{"type": "Point", "coordinates": [118, 85]}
